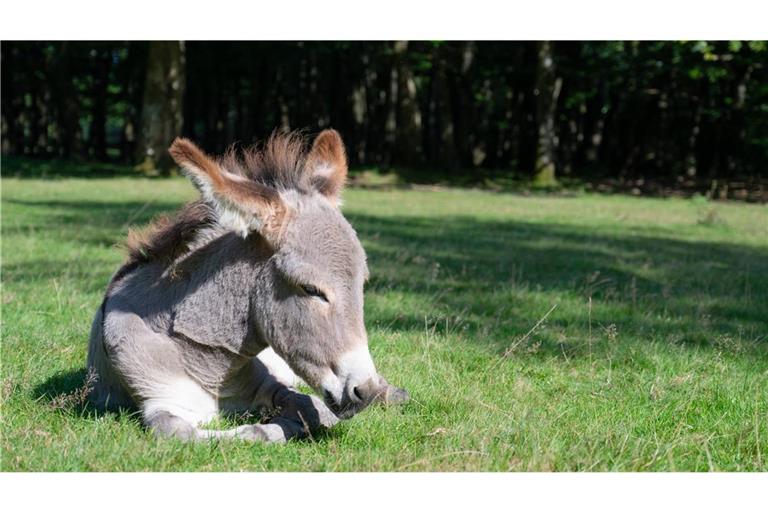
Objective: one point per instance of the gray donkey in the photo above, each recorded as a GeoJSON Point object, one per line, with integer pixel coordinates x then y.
{"type": "Point", "coordinates": [263, 270]}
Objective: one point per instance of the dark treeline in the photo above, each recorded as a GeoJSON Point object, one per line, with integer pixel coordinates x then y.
{"type": "Point", "coordinates": [541, 109]}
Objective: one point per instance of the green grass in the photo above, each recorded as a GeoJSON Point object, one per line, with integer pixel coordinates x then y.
{"type": "Point", "coordinates": [655, 357]}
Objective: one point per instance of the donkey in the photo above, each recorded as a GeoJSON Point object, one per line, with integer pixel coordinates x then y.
{"type": "Point", "coordinates": [254, 286]}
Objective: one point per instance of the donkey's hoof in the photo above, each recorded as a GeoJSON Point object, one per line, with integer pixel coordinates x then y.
{"type": "Point", "coordinates": [307, 410]}
{"type": "Point", "coordinates": [267, 433]}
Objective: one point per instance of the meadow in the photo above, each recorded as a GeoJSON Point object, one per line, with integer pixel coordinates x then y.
{"type": "Point", "coordinates": [561, 332]}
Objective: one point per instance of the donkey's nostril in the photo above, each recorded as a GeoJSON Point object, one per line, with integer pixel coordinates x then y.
{"type": "Point", "coordinates": [365, 392]}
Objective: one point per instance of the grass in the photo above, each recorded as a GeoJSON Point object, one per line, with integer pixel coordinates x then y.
{"type": "Point", "coordinates": [534, 333]}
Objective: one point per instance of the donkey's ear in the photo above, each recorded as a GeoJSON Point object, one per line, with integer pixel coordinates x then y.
{"type": "Point", "coordinates": [327, 162]}
{"type": "Point", "coordinates": [242, 205]}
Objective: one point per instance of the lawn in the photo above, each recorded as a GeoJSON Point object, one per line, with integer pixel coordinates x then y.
{"type": "Point", "coordinates": [534, 333]}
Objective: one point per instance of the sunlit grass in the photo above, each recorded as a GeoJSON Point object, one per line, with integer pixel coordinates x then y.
{"type": "Point", "coordinates": [655, 356]}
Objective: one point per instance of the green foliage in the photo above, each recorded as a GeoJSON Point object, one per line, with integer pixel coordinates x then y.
{"type": "Point", "coordinates": [658, 109]}
{"type": "Point", "coordinates": [655, 357]}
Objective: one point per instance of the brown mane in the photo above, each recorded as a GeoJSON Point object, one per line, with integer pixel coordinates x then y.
{"type": "Point", "coordinates": [278, 164]}
{"type": "Point", "coordinates": [168, 238]}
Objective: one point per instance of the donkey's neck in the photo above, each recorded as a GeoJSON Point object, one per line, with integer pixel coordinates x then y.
{"type": "Point", "coordinates": [214, 287]}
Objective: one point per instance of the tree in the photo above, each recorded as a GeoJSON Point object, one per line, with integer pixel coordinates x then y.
{"type": "Point", "coordinates": [442, 149]}
{"type": "Point", "coordinates": [547, 90]}
{"type": "Point", "coordinates": [99, 93]}
{"type": "Point", "coordinates": [67, 107]}
{"type": "Point", "coordinates": [408, 117]}
{"type": "Point", "coordinates": [162, 113]}
{"type": "Point", "coordinates": [680, 112]}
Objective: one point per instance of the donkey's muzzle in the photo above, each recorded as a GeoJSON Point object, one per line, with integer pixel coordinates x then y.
{"type": "Point", "coordinates": [366, 392]}
{"type": "Point", "coordinates": [361, 396]}
{"type": "Point", "coordinates": [354, 398]}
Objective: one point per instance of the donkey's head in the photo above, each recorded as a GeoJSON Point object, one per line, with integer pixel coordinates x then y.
{"type": "Point", "coordinates": [308, 300]}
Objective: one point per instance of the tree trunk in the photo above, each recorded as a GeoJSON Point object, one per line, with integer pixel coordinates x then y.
{"type": "Point", "coordinates": [99, 110]}
{"type": "Point", "coordinates": [408, 125]}
{"type": "Point", "coordinates": [690, 156]}
{"type": "Point", "coordinates": [68, 112]}
{"type": "Point", "coordinates": [12, 102]}
{"type": "Point", "coordinates": [162, 114]}
{"type": "Point", "coordinates": [463, 103]}
{"type": "Point", "coordinates": [442, 150]}
{"type": "Point", "coordinates": [596, 126]}
{"type": "Point", "coordinates": [547, 90]}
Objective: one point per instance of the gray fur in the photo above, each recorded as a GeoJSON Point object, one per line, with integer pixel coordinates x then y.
{"type": "Point", "coordinates": [178, 338]}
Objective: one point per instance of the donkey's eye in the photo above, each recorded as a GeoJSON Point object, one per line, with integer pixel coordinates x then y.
{"type": "Point", "coordinates": [313, 291]}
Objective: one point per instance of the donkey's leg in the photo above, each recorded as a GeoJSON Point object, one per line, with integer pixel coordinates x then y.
{"type": "Point", "coordinates": [176, 408]}
{"type": "Point", "coordinates": [278, 430]}
{"type": "Point", "coordinates": [307, 411]}
{"type": "Point", "coordinates": [151, 369]}
{"type": "Point", "coordinates": [108, 391]}
{"type": "Point", "coordinates": [278, 368]}
{"type": "Point", "coordinates": [179, 408]}
{"type": "Point", "coordinates": [297, 414]}
{"type": "Point", "coordinates": [166, 424]}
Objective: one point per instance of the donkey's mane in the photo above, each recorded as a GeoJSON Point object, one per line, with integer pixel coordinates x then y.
{"type": "Point", "coordinates": [167, 238]}
{"type": "Point", "coordinates": [279, 164]}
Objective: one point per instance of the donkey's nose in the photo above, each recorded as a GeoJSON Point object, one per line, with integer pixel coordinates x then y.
{"type": "Point", "coordinates": [366, 391]}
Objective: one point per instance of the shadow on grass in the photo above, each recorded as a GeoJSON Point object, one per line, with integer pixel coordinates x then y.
{"type": "Point", "coordinates": [67, 393]}
{"type": "Point", "coordinates": [33, 168]}
{"type": "Point", "coordinates": [93, 213]}
{"type": "Point", "coordinates": [461, 262]}
{"type": "Point", "coordinates": [89, 222]}
{"type": "Point", "coordinates": [493, 274]}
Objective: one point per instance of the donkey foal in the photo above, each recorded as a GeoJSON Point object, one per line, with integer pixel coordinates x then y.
{"type": "Point", "coordinates": [225, 307]}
